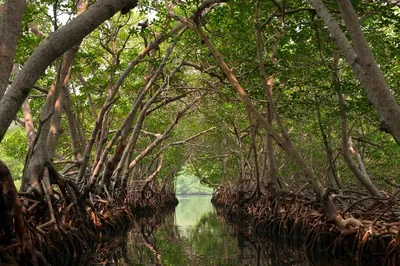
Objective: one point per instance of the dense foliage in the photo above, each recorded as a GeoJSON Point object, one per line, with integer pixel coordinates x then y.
{"type": "Point", "coordinates": [304, 91]}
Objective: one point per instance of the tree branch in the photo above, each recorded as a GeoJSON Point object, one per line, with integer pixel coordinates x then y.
{"type": "Point", "coordinates": [51, 48]}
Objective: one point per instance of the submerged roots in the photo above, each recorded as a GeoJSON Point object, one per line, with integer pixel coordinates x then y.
{"type": "Point", "coordinates": [368, 228]}
{"type": "Point", "coordinates": [62, 229]}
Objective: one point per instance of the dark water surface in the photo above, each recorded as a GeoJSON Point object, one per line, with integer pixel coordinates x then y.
{"type": "Point", "coordinates": [195, 235]}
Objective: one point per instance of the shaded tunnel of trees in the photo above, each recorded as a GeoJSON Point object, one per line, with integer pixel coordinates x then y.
{"type": "Point", "coordinates": [288, 109]}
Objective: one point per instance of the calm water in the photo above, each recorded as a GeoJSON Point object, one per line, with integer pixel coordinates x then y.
{"type": "Point", "coordinates": [195, 235]}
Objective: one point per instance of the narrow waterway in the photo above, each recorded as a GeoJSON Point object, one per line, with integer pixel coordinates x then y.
{"type": "Point", "coordinates": [195, 235]}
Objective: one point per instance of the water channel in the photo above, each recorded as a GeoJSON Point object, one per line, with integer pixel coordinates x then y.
{"type": "Point", "coordinates": [195, 235]}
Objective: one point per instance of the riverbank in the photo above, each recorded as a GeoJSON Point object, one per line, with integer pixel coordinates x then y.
{"type": "Point", "coordinates": [69, 243]}
{"type": "Point", "coordinates": [195, 234]}
{"type": "Point", "coordinates": [298, 219]}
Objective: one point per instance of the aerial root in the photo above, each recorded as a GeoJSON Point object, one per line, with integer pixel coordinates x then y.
{"type": "Point", "coordinates": [363, 231]}
{"type": "Point", "coordinates": [58, 225]}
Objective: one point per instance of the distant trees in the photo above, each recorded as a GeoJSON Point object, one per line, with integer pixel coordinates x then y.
{"type": "Point", "coordinates": [187, 184]}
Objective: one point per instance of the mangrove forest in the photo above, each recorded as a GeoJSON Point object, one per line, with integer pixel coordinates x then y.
{"type": "Point", "coordinates": [200, 132]}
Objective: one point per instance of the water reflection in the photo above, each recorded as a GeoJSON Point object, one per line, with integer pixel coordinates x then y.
{"type": "Point", "coordinates": [196, 235]}
{"type": "Point", "coordinates": [190, 210]}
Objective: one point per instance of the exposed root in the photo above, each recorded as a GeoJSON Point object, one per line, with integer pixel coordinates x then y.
{"type": "Point", "coordinates": [59, 228]}
{"type": "Point", "coordinates": [362, 229]}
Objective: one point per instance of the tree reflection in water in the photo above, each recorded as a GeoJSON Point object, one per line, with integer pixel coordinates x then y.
{"type": "Point", "coordinates": [209, 240]}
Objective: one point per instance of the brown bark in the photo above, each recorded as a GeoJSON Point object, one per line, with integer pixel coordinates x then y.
{"type": "Point", "coordinates": [363, 63]}
{"type": "Point", "coordinates": [102, 137]}
{"type": "Point", "coordinates": [28, 122]}
{"type": "Point", "coordinates": [272, 169]}
{"type": "Point", "coordinates": [38, 155]}
{"type": "Point", "coordinates": [153, 175]}
{"type": "Point", "coordinates": [10, 27]}
{"type": "Point", "coordinates": [110, 166]}
{"type": "Point", "coordinates": [92, 106]}
{"type": "Point", "coordinates": [168, 100]}
{"type": "Point", "coordinates": [105, 126]}
{"type": "Point", "coordinates": [73, 126]}
{"type": "Point", "coordinates": [10, 207]}
{"type": "Point", "coordinates": [35, 30]}
{"type": "Point", "coordinates": [123, 131]}
{"type": "Point", "coordinates": [55, 129]}
{"type": "Point", "coordinates": [64, 75]}
{"type": "Point", "coordinates": [203, 8]}
{"type": "Point", "coordinates": [51, 48]}
{"type": "Point", "coordinates": [359, 159]}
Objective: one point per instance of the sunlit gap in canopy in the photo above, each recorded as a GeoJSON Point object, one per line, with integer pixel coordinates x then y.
{"type": "Point", "coordinates": [64, 17]}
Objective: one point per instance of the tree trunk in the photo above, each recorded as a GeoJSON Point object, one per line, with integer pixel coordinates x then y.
{"type": "Point", "coordinates": [10, 207]}
{"type": "Point", "coordinates": [153, 45]}
{"type": "Point", "coordinates": [363, 63]}
{"type": "Point", "coordinates": [268, 87]}
{"type": "Point", "coordinates": [333, 176]}
{"type": "Point", "coordinates": [73, 126]}
{"type": "Point", "coordinates": [10, 27]}
{"type": "Point", "coordinates": [362, 178]}
{"type": "Point", "coordinates": [285, 143]}
{"type": "Point", "coordinates": [65, 74]}
{"type": "Point", "coordinates": [38, 157]}
{"type": "Point", "coordinates": [164, 135]}
{"type": "Point", "coordinates": [242, 163]}
{"type": "Point", "coordinates": [253, 129]}
{"type": "Point", "coordinates": [51, 48]}
{"type": "Point", "coordinates": [124, 130]}
{"type": "Point", "coordinates": [28, 121]}
{"type": "Point", "coordinates": [129, 120]}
